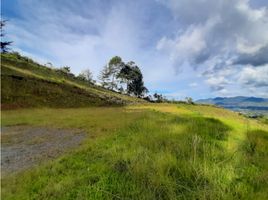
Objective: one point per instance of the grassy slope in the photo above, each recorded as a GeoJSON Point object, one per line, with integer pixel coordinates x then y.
{"type": "Point", "coordinates": [28, 84]}
{"type": "Point", "coordinates": [157, 151]}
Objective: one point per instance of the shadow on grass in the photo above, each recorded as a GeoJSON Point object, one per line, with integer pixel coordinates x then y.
{"type": "Point", "coordinates": [210, 128]}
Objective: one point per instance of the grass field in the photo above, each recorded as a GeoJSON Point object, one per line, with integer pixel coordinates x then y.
{"type": "Point", "coordinates": [154, 151]}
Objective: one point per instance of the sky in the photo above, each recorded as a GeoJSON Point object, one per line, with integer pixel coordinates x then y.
{"type": "Point", "coordinates": [184, 48]}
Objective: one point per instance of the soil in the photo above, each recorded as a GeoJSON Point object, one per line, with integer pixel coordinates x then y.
{"type": "Point", "coordinates": [23, 147]}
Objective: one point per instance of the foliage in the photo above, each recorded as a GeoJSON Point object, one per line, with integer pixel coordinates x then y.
{"type": "Point", "coordinates": [4, 44]}
{"type": "Point", "coordinates": [189, 100]}
{"type": "Point", "coordinates": [66, 69]}
{"type": "Point", "coordinates": [108, 75]}
{"type": "Point", "coordinates": [86, 75]}
{"type": "Point", "coordinates": [123, 77]}
{"type": "Point", "coordinates": [132, 76]}
{"type": "Point", "coordinates": [159, 98]}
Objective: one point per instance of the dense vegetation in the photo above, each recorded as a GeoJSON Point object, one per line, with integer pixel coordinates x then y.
{"type": "Point", "coordinates": [125, 78]}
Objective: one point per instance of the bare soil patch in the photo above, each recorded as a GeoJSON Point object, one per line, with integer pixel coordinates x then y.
{"type": "Point", "coordinates": [23, 147]}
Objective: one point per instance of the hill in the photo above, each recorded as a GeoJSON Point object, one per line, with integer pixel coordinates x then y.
{"type": "Point", "coordinates": [64, 145]}
{"type": "Point", "coordinates": [239, 103]}
{"type": "Point", "coordinates": [26, 83]}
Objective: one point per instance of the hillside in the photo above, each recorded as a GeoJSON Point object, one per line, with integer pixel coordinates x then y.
{"type": "Point", "coordinates": [26, 83]}
{"type": "Point", "coordinates": [70, 142]}
{"type": "Point", "coordinates": [239, 103]}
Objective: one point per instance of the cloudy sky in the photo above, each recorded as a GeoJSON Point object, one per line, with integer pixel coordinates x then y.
{"type": "Point", "coordinates": [197, 48]}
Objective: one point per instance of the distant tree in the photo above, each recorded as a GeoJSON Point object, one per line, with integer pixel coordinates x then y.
{"type": "Point", "coordinates": [65, 69]}
{"type": "Point", "coordinates": [189, 100]}
{"type": "Point", "coordinates": [86, 75]}
{"type": "Point", "coordinates": [4, 44]}
{"type": "Point", "coordinates": [158, 97]}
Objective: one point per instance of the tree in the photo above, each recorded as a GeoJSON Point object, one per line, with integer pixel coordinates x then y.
{"type": "Point", "coordinates": [132, 76]}
{"type": "Point", "coordinates": [86, 75]}
{"type": "Point", "coordinates": [158, 97]}
{"type": "Point", "coordinates": [126, 75]}
{"type": "Point", "coordinates": [109, 74]}
{"type": "Point", "coordinates": [105, 78]}
{"type": "Point", "coordinates": [189, 100]}
{"type": "Point", "coordinates": [65, 69]}
{"type": "Point", "coordinates": [117, 75]}
{"type": "Point", "coordinates": [4, 44]}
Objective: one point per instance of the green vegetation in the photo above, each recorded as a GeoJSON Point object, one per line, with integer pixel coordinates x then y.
{"type": "Point", "coordinates": [139, 151]}
{"type": "Point", "coordinates": [125, 78]}
{"type": "Point", "coordinates": [28, 84]}
{"type": "Point", "coordinates": [156, 151]}
{"type": "Point", "coordinates": [4, 44]}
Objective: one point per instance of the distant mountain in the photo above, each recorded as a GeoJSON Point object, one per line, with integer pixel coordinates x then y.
{"type": "Point", "coordinates": [239, 103]}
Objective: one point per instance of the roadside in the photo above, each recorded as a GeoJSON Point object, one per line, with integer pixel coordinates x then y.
{"type": "Point", "coordinates": [23, 147]}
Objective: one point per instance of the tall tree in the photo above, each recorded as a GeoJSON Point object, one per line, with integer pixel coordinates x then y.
{"type": "Point", "coordinates": [104, 77]}
{"type": "Point", "coordinates": [115, 66]}
{"type": "Point", "coordinates": [132, 76]}
{"type": "Point", "coordinates": [110, 72]}
{"type": "Point", "coordinates": [4, 44]}
{"type": "Point", "coordinates": [126, 75]}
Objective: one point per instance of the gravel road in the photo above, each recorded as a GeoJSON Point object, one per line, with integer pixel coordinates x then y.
{"type": "Point", "coordinates": [23, 147]}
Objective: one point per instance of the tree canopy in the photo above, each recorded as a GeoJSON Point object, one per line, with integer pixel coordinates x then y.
{"type": "Point", "coordinates": [126, 78]}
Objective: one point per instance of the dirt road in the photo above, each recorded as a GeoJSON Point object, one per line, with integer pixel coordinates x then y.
{"type": "Point", "coordinates": [23, 147]}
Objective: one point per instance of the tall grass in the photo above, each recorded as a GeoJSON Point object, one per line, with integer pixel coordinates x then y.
{"type": "Point", "coordinates": [157, 156]}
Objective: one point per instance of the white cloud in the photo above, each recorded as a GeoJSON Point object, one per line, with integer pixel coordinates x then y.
{"type": "Point", "coordinates": [217, 83]}
{"type": "Point", "coordinates": [193, 84]}
{"type": "Point", "coordinates": [216, 38]}
{"type": "Point", "coordinates": [219, 38]}
{"type": "Point", "coordinates": [255, 77]}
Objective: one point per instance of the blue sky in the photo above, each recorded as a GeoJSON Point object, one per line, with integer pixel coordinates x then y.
{"type": "Point", "coordinates": [197, 48]}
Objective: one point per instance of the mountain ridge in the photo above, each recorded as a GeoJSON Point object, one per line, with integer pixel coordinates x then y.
{"type": "Point", "coordinates": [239, 103]}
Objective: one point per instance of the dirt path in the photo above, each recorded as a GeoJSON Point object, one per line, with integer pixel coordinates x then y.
{"type": "Point", "coordinates": [23, 147]}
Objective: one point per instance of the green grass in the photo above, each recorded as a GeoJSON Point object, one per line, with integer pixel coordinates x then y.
{"type": "Point", "coordinates": [158, 151]}
{"type": "Point", "coordinates": [28, 84]}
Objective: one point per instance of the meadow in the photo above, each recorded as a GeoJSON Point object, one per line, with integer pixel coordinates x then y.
{"type": "Point", "coordinates": [152, 151]}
